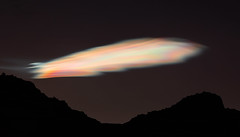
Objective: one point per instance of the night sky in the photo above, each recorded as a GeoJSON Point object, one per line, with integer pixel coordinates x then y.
{"type": "Point", "coordinates": [39, 31]}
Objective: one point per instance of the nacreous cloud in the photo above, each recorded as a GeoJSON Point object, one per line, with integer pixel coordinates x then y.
{"type": "Point", "coordinates": [120, 56]}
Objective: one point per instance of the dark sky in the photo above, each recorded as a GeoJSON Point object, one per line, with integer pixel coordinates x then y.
{"type": "Point", "coordinates": [41, 30]}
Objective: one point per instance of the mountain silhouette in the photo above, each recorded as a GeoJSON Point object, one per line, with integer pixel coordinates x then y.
{"type": "Point", "coordinates": [26, 112]}
{"type": "Point", "coordinates": [197, 115]}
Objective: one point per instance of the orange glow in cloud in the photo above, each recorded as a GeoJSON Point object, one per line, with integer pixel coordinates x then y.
{"type": "Point", "coordinates": [120, 56]}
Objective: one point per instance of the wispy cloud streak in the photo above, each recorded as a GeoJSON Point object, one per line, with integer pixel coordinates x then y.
{"type": "Point", "coordinates": [120, 56]}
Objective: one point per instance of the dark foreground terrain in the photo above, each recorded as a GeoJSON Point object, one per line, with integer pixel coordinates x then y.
{"type": "Point", "coordinates": [26, 112]}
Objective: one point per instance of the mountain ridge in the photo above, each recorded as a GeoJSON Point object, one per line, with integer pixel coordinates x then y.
{"type": "Point", "coordinates": [26, 111]}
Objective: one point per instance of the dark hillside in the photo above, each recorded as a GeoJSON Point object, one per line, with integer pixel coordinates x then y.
{"type": "Point", "coordinates": [26, 112]}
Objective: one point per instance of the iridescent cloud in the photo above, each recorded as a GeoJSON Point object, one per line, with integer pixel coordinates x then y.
{"type": "Point", "coordinates": [120, 56]}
